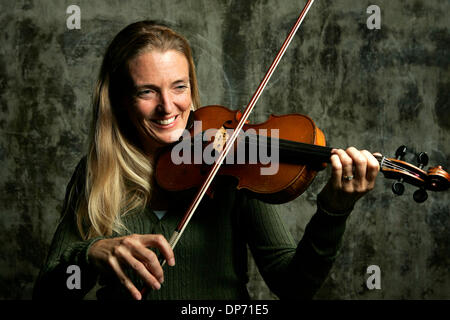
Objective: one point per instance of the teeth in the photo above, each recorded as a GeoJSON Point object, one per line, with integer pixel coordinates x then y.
{"type": "Point", "coordinates": [165, 122]}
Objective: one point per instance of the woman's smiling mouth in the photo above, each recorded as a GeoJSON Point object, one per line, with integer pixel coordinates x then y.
{"type": "Point", "coordinates": [165, 122]}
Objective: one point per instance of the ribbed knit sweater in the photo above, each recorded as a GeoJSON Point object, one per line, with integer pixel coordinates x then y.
{"type": "Point", "coordinates": [211, 256]}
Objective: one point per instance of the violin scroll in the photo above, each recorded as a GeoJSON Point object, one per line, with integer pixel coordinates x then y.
{"type": "Point", "coordinates": [434, 179]}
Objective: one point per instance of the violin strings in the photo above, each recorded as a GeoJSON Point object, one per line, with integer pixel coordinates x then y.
{"type": "Point", "coordinates": [323, 151]}
{"type": "Point", "coordinates": [391, 165]}
{"type": "Point", "coordinates": [315, 150]}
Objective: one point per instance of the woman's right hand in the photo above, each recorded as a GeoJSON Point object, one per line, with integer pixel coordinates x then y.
{"type": "Point", "coordinates": [133, 251]}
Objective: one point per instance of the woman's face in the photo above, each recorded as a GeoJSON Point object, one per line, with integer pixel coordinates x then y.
{"type": "Point", "coordinates": [161, 97]}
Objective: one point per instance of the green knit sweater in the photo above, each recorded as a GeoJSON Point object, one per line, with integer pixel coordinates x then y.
{"type": "Point", "coordinates": [211, 256]}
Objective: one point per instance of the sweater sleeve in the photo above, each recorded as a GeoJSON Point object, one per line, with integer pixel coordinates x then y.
{"type": "Point", "coordinates": [56, 280]}
{"type": "Point", "coordinates": [291, 271]}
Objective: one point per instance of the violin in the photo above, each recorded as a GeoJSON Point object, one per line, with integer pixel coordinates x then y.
{"type": "Point", "coordinates": [301, 149]}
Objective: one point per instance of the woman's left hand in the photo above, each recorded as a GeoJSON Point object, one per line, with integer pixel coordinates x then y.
{"type": "Point", "coordinates": [353, 175]}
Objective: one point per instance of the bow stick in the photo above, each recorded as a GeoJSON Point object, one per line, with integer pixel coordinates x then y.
{"type": "Point", "coordinates": [215, 168]}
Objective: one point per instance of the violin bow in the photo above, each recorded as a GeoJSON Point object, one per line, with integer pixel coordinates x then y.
{"type": "Point", "coordinates": [222, 155]}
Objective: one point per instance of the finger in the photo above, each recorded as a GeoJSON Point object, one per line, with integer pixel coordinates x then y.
{"type": "Point", "coordinates": [360, 164]}
{"type": "Point", "coordinates": [115, 265]}
{"type": "Point", "coordinates": [146, 258]}
{"type": "Point", "coordinates": [336, 174]}
{"type": "Point", "coordinates": [158, 241]}
{"type": "Point", "coordinates": [141, 270]}
{"type": "Point", "coordinates": [347, 164]}
{"type": "Point", "coordinates": [373, 166]}
{"type": "Point", "coordinates": [150, 261]}
{"type": "Point", "coordinates": [377, 154]}
{"type": "Point", "coordinates": [134, 243]}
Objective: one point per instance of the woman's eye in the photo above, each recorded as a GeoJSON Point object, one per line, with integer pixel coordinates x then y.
{"type": "Point", "coordinates": [181, 87]}
{"type": "Point", "coordinates": [145, 92]}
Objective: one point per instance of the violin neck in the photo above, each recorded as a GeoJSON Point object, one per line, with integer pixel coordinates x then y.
{"type": "Point", "coordinates": [303, 152]}
{"type": "Point", "coordinates": [291, 151]}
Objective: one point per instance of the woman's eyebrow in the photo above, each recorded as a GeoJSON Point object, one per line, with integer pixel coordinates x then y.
{"type": "Point", "coordinates": [154, 87]}
{"type": "Point", "coordinates": [184, 80]}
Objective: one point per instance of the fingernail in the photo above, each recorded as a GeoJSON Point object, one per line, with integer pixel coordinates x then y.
{"type": "Point", "coordinates": [157, 286]}
{"type": "Point", "coordinates": [171, 262]}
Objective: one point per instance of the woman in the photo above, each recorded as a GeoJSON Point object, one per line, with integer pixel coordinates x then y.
{"type": "Point", "coordinates": [116, 219]}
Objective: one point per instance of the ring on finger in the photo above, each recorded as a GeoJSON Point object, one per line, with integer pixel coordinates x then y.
{"type": "Point", "coordinates": [347, 178]}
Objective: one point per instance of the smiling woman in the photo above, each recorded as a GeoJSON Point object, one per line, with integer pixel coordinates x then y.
{"type": "Point", "coordinates": [162, 97]}
{"type": "Point", "coordinates": [117, 219]}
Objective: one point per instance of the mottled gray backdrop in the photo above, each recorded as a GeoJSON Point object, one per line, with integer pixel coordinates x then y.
{"type": "Point", "coordinates": [375, 89]}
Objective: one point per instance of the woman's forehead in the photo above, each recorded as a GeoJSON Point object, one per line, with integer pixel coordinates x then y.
{"type": "Point", "coordinates": [159, 66]}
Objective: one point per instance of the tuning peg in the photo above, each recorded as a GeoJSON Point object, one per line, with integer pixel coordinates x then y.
{"type": "Point", "coordinates": [422, 159]}
{"type": "Point", "coordinates": [420, 195]}
{"type": "Point", "coordinates": [398, 188]}
{"type": "Point", "coordinates": [400, 152]}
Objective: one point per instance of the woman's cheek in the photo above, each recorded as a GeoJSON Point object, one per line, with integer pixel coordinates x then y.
{"type": "Point", "coordinates": [144, 110]}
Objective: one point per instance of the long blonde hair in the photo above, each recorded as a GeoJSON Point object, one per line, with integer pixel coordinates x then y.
{"type": "Point", "coordinates": [118, 174]}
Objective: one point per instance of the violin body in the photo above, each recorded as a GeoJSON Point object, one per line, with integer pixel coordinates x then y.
{"type": "Point", "coordinates": [292, 178]}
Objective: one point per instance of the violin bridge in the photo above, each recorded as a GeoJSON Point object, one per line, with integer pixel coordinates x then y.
{"type": "Point", "coordinates": [220, 139]}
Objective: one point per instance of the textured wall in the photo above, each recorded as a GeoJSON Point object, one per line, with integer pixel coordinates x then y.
{"type": "Point", "coordinates": [375, 89]}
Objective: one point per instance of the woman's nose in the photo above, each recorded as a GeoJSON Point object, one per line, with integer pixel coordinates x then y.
{"type": "Point", "coordinates": [165, 103]}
